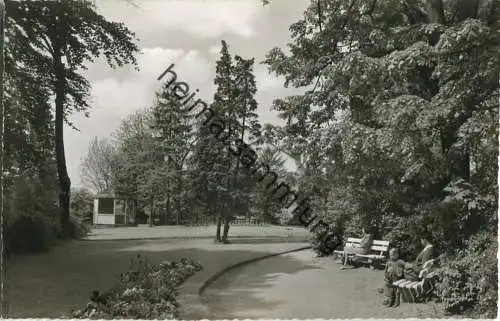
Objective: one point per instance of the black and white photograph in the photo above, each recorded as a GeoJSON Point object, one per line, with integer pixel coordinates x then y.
{"type": "Point", "coordinates": [249, 159]}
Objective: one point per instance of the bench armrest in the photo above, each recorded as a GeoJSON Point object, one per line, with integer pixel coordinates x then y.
{"type": "Point", "coordinates": [427, 267]}
{"type": "Point", "coordinates": [428, 264]}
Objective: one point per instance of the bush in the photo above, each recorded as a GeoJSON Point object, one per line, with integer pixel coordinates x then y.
{"type": "Point", "coordinates": [78, 227]}
{"type": "Point", "coordinates": [31, 220]}
{"type": "Point", "coordinates": [27, 235]}
{"type": "Point", "coordinates": [469, 280]}
{"type": "Point", "coordinates": [81, 213]}
{"type": "Point", "coordinates": [82, 205]}
{"type": "Point", "coordinates": [322, 248]}
{"type": "Point", "coordinates": [319, 247]}
{"type": "Point", "coordinates": [325, 243]}
{"type": "Point", "coordinates": [144, 292]}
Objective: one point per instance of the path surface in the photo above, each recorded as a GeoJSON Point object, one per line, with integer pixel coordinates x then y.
{"type": "Point", "coordinates": [299, 285]}
{"type": "Point", "coordinates": [51, 284]}
{"type": "Point", "coordinates": [156, 232]}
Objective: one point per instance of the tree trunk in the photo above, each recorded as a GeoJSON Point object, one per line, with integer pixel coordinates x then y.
{"type": "Point", "coordinates": [151, 213]}
{"type": "Point", "coordinates": [169, 212]}
{"type": "Point", "coordinates": [466, 9]}
{"type": "Point", "coordinates": [2, 107]}
{"type": "Point", "coordinates": [62, 171]}
{"type": "Point", "coordinates": [228, 216]}
{"type": "Point", "coordinates": [266, 214]}
{"type": "Point", "coordinates": [226, 230]}
{"type": "Point", "coordinates": [135, 206]}
{"type": "Point", "coordinates": [178, 214]}
{"type": "Point", "coordinates": [217, 233]}
{"type": "Point", "coordinates": [491, 16]}
{"type": "Point", "coordinates": [435, 11]}
{"type": "Point", "coordinates": [2, 119]}
{"type": "Point", "coordinates": [179, 198]}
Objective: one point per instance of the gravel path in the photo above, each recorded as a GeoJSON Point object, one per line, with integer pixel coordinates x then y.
{"type": "Point", "coordinates": [299, 285]}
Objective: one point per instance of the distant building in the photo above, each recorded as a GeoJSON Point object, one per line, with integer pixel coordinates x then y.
{"type": "Point", "coordinates": [110, 209]}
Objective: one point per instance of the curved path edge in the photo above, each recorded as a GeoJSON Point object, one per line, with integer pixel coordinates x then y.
{"type": "Point", "coordinates": [155, 238]}
{"type": "Point", "coordinates": [217, 275]}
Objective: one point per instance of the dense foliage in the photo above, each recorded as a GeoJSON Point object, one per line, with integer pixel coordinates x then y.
{"type": "Point", "coordinates": [145, 291]}
{"type": "Point", "coordinates": [47, 45]}
{"type": "Point", "coordinates": [30, 219]}
{"type": "Point", "coordinates": [398, 127]}
{"type": "Point", "coordinates": [81, 212]}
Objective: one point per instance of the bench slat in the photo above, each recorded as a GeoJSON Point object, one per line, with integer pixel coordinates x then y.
{"type": "Point", "coordinates": [372, 256]}
{"type": "Point", "coordinates": [381, 243]}
{"type": "Point", "coordinates": [375, 242]}
{"type": "Point", "coordinates": [379, 248]}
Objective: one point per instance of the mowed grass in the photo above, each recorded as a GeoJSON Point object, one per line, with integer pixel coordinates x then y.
{"type": "Point", "coordinates": [54, 283]}
{"type": "Point", "coordinates": [235, 231]}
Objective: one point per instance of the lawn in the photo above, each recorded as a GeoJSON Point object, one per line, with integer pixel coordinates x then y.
{"type": "Point", "coordinates": [54, 283]}
{"type": "Point", "coordinates": [236, 231]}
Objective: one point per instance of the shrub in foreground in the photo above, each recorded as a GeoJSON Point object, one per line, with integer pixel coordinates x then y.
{"type": "Point", "coordinates": [144, 292]}
{"type": "Point", "coordinates": [30, 216]}
{"type": "Point", "coordinates": [469, 283]}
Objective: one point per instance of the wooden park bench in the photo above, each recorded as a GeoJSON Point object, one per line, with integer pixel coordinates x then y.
{"type": "Point", "coordinates": [378, 251]}
{"type": "Point", "coordinates": [418, 291]}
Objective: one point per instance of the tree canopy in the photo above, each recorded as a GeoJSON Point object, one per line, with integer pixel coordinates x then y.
{"type": "Point", "coordinates": [401, 114]}
{"type": "Point", "coordinates": [48, 45]}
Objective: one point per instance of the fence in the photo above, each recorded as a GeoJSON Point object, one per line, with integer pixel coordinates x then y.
{"type": "Point", "coordinates": [235, 221]}
{"type": "Point", "coordinates": [247, 221]}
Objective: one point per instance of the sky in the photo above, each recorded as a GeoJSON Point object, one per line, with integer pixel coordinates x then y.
{"type": "Point", "coordinates": [187, 33]}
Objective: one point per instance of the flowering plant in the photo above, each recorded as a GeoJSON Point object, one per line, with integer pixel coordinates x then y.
{"type": "Point", "coordinates": [144, 292]}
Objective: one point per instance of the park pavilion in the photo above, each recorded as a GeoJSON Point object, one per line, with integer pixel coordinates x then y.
{"type": "Point", "coordinates": [110, 209]}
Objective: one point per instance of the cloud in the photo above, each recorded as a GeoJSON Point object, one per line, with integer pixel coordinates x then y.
{"type": "Point", "coordinates": [190, 63]}
{"type": "Point", "coordinates": [214, 50]}
{"type": "Point", "coordinates": [198, 17]}
{"type": "Point", "coordinates": [265, 80]}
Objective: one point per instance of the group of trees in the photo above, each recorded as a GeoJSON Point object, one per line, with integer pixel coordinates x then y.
{"type": "Point", "coordinates": [47, 45]}
{"type": "Point", "coordinates": [398, 127]}
{"type": "Point", "coordinates": [167, 162]}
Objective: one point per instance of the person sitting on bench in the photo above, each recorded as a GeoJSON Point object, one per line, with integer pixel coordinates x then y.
{"type": "Point", "coordinates": [412, 270]}
{"type": "Point", "coordinates": [362, 248]}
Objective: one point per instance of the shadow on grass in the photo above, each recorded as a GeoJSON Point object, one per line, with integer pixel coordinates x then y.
{"type": "Point", "coordinates": [238, 290]}
{"type": "Point", "coordinates": [54, 283]}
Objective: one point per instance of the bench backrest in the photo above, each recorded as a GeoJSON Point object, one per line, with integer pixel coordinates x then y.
{"type": "Point", "coordinates": [377, 245]}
